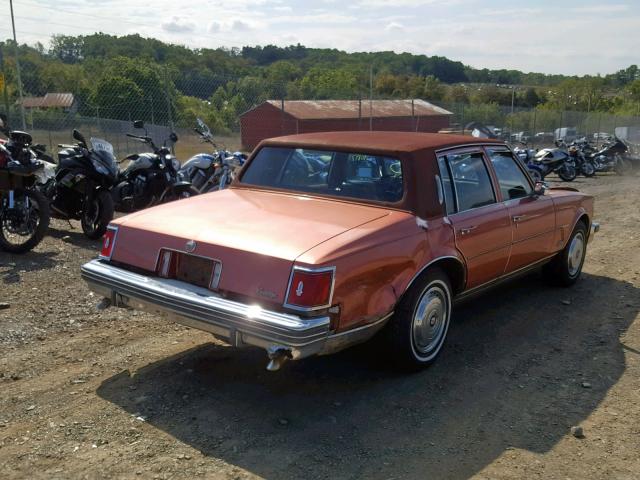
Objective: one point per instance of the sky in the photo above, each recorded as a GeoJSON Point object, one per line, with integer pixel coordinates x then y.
{"type": "Point", "coordinates": [562, 36]}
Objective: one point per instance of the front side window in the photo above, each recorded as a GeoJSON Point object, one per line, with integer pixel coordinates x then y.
{"type": "Point", "coordinates": [471, 180]}
{"type": "Point", "coordinates": [340, 174]}
{"type": "Point", "coordinates": [513, 182]}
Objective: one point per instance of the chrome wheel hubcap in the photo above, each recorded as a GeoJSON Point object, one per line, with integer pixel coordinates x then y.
{"type": "Point", "coordinates": [430, 320]}
{"type": "Point", "coordinates": [576, 252]}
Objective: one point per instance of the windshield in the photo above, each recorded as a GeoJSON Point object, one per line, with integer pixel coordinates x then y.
{"type": "Point", "coordinates": [104, 151]}
{"type": "Point", "coordinates": [339, 174]}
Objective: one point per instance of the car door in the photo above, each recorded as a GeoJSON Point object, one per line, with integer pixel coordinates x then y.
{"type": "Point", "coordinates": [532, 216]}
{"type": "Point", "coordinates": [481, 224]}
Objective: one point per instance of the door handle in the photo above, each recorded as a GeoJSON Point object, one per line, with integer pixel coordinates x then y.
{"type": "Point", "coordinates": [467, 230]}
{"type": "Point", "coordinates": [518, 218]}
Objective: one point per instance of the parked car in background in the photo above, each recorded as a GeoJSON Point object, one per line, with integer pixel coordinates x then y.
{"type": "Point", "coordinates": [565, 134]}
{"type": "Point", "coordinates": [544, 137]}
{"type": "Point", "coordinates": [600, 136]}
{"type": "Point", "coordinates": [327, 239]}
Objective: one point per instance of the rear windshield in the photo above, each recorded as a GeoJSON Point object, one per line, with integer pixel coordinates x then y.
{"type": "Point", "coordinates": [339, 174]}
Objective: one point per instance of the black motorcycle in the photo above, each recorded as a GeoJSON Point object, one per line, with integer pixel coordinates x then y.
{"type": "Point", "coordinates": [24, 211]}
{"type": "Point", "coordinates": [150, 178]}
{"type": "Point", "coordinates": [583, 163]}
{"type": "Point", "coordinates": [78, 186]}
{"type": "Point", "coordinates": [612, 157]}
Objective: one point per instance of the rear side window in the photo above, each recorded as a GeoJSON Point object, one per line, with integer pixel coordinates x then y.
{"type": "Point", "coordinates": [471, 181]}
{"type": "Point", "coordinates": [512, 180]}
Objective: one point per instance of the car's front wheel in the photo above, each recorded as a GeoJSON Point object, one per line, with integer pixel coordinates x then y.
{"type": "Point", "coordinates": [420, 324]}
{"type": "Point", "coordinates": [565, 269]}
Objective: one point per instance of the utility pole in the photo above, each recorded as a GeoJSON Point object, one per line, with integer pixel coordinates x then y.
{"type": "Point", "coordinates": [371, 97]}
{"type": "Point", "coordinates": [15, 44]}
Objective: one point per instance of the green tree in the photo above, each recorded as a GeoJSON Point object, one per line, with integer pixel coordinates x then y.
{"type": "Point", "coordinates": [433, 89]}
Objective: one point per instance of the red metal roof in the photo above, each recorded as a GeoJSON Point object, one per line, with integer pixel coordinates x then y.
{"type": "Point", "coordinates": [328, 109]}
{"type": "Point", "coordinates": [50, 100]}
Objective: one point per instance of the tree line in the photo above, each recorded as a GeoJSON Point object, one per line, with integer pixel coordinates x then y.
{"type": "Point", "coordinates": [134, 77]}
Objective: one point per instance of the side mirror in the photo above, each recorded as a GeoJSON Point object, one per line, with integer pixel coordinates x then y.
{"type": "Point", "coordinates": [79, 137]}
{"type": "Point", "coordinates": [173, 137]}
{"type": "Point", "coordinates": [540, 188]}
{"type": "Point", "coordinates": [138, 124]}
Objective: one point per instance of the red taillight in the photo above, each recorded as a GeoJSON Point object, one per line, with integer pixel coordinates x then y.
{"type": "Point", "coordinates": [310, 288]}
{"type": "Point", "coordinates": [108, 242]}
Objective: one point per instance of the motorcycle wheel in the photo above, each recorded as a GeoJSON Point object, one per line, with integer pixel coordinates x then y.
{"type": "Point", "coordinates": [536, 176]}
{"type": "Point", "coordinates": [173, 194]}
{"type": "Point", "coordinates": [587, 169]}
{"type": "Point", "coordinates": [97, 214]}
{"type": "Point", "coordinates": [623, 166]}
{"type": "Point", "coordinates": [567, 173]}
{"type": "Point", "coordinates": [24, 226]}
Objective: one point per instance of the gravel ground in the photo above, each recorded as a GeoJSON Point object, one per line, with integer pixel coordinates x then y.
{"type": "Point", "coordinates": [116, 394]}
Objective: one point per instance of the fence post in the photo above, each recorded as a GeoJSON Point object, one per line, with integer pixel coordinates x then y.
{"type": "Point", "coordinates": [462, 118]}
{"type": "Point", "coordinates": [413, 116]}
{"type": "Point", "coordinates": [282, 116]}
{"type": "Point", "coordinates": [599, 122]}
{"type": "Point", "coordinates": [166, 87]}
{"type": "Point", "coordinates": [533, 133]}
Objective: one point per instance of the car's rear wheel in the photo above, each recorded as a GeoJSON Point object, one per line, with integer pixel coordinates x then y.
{"type": "Point", "coordinates": [566, 267]}
{"type": "Point", "coordinates": [420, 324]}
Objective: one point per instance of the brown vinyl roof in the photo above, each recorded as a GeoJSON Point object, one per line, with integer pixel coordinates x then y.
{"type": "Point", "coordinates": [330, 109]}
{"type": "Point", "coordinates": [377, 141]}
{"type": "Point", "coordinates": [50, 100]}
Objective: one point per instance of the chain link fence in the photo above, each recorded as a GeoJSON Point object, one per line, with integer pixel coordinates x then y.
{"type": "Point", "coordinates": [168, 102]}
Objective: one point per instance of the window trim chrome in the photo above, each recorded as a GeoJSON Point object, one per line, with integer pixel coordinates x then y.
{"type": "Point", "coordinates": [299, 268]}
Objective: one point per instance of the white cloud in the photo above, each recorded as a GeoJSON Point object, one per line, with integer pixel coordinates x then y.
{"type": "Point", "coordinates": [178, 25]}
{"type": "Point", "coordinates": [394, 27]}
{"type": "Point", "coordinates": [482, 33]}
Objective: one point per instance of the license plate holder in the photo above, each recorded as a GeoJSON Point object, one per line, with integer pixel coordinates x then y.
{"type": "Point", "coordinates": [195, 270]}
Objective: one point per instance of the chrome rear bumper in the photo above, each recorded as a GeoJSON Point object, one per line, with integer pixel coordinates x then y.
{"type": "Point", "coordinates": [237, 323]}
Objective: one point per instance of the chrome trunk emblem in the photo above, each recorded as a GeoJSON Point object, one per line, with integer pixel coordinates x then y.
{"type": "Point", "coordinates": [190, 246]}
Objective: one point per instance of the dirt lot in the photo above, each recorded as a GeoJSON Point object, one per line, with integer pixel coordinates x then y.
{"type": "Point", "coordinates": [113, 394]}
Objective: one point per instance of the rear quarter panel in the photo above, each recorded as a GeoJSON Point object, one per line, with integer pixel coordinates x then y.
{"type": "Point", "coordinates": [376, 263]}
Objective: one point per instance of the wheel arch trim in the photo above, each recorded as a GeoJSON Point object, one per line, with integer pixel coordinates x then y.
{"type": "Point", "coordinates": [456, 288]}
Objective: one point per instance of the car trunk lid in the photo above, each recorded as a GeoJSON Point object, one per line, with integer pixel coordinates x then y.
{"type": "Point", "coordinates": [255, 235]}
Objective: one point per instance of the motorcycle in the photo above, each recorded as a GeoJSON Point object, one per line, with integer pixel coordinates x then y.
{"type": "Point", "coordinates": [583, 163]}
{"type": "Point", "coordinates": [24, 211]}
{"type": "Point", "coordinates": [611, 157]}
{"type": "Point", "coordinates": [211, 172]}
{"type": "Point", "coordinates": [78, 186]}
{"type": "Point", "coordinates": [150, 178]}
{"type": "Point", "coordinates": [550, 160]}
{"type": "Point", "coordinates": [524, 153]}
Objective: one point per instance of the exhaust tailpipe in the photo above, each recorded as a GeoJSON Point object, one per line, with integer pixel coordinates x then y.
{"type": "Point", "coordinates": [277, 357]}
